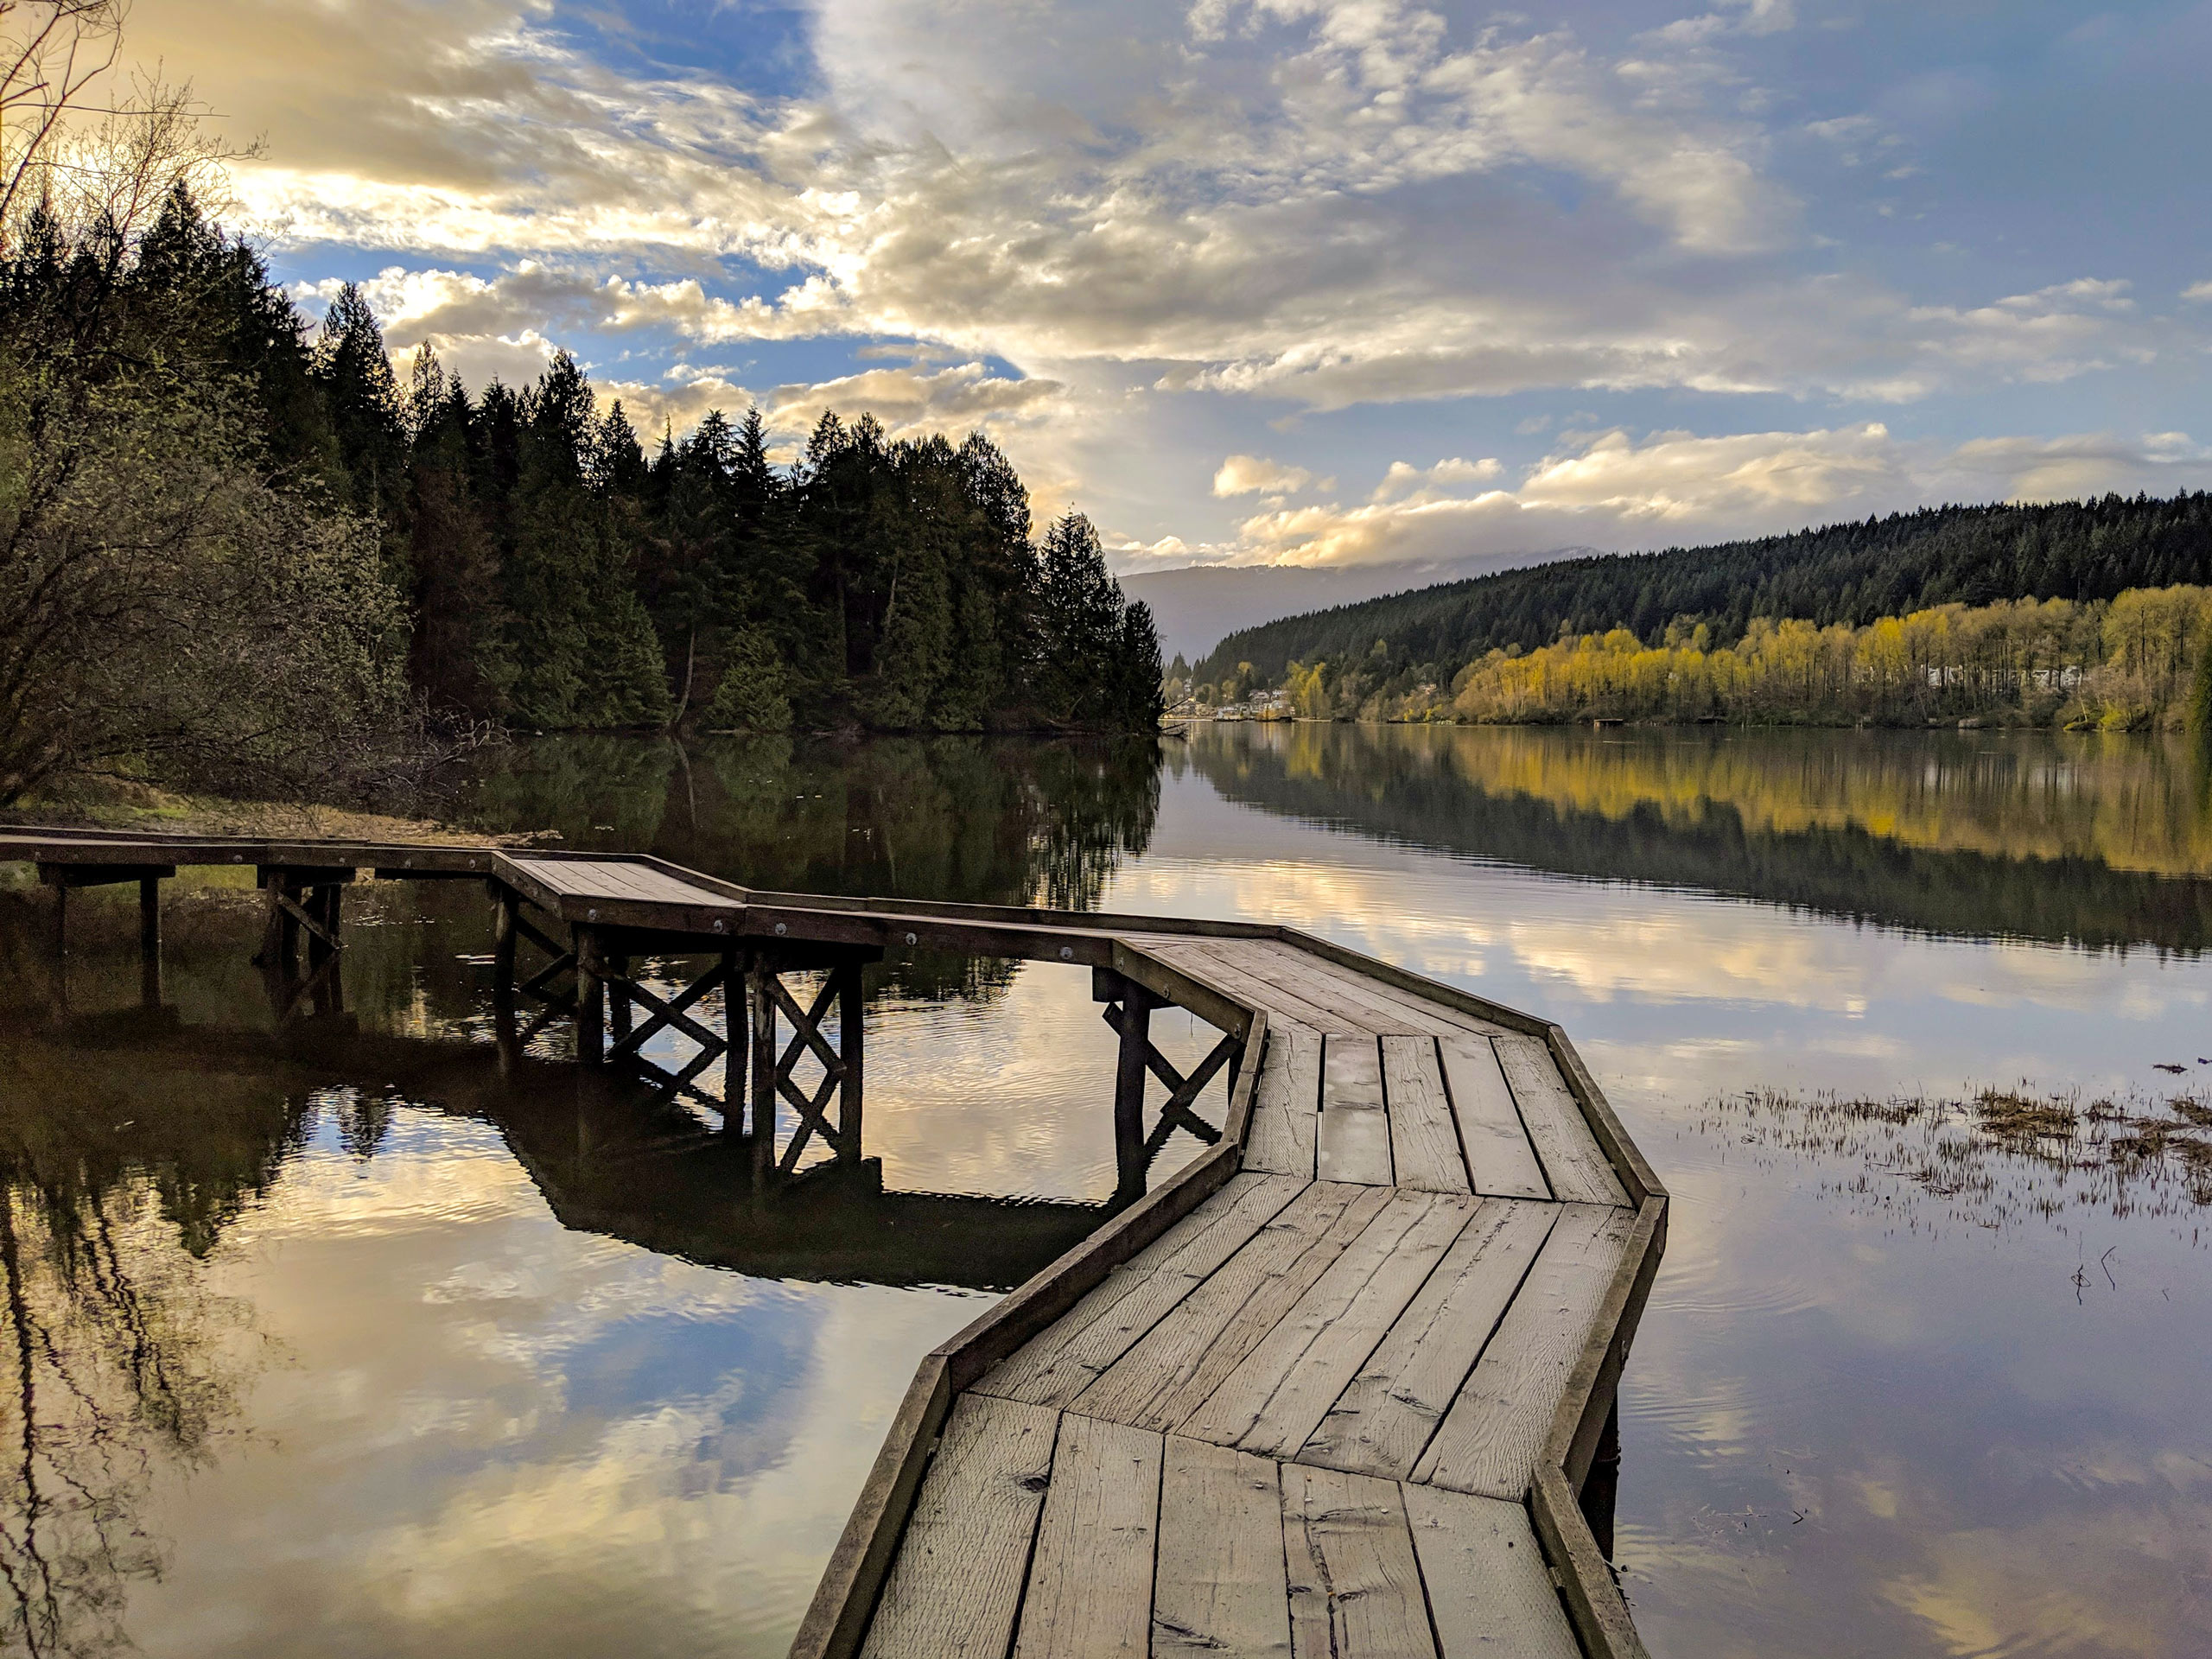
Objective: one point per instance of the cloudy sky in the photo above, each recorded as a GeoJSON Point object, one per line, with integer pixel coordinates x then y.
{"type": "Point", "coordinates": [1283, 280]}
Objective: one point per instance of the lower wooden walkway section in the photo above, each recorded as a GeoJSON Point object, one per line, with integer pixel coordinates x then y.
{"type": "Point", "coordinates": [1336, 1405]}
{"type": "Point", "coordinates": [1331, 1391]}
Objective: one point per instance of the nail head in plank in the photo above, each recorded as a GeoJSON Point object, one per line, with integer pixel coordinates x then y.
{"type": "Point", "coordinates": [1489, 1590]}
{"type": "Point", "coordinates": [1424, 1145]}
{"type": "Point", "coordinates": [1220, 1589]}
{"type": "Point", "coordinates": [1500, 1158]}
{"type": "Point", "coordinates": [1286, 1105]}
{"type": "Point", "coordinates": [1491, 1438]}
{"type": "Point", "coordinates": [1383, 1422]}
{"type": "Point", "coordinates": [1352, 1141]}
{"type": "Point", "coordinates": [1064, 1358]}
{"type": "Point", "coordinates": [1181, 1360]}
{"type": "Point", "coordinates": [1577, 1167]}
{"type": "Point", "coordinates": [1283, 1389]}
{"type": "Point", "coordinates": [1089, 1594]}
{"type": "Point", "coordinates": [957, 1583]}
{"type": "Point", "coordinates": [1355, 1583]}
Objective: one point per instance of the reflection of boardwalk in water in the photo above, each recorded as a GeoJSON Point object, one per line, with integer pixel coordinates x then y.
{"type": "Point", "coordinates": [1343, 1385]}
{"type": "Point", "coordinates": [1906, 830]}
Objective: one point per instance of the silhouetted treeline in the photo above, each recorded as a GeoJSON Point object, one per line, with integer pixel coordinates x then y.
{"type": "Point", "coordinates": [1850, 574]}
{"type": "Point", "coordinates": [233, 547]}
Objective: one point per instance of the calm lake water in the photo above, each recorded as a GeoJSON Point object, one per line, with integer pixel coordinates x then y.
{"type": "Point", "coordinates": [342, 1341]}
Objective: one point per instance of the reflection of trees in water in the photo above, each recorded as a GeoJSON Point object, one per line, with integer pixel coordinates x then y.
{"type": "Point", "coordinates": [970, 820]}
{"type": "Point", "coordinates": [2099, 842]}
{"type": "Point", "coordinates": [119, 1360]}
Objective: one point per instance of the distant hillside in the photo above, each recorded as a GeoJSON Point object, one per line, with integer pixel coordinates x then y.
{"type": "Point", "coordinates": [1195, 605]}
{"type": "Point", "coordinates": [1845, 573]}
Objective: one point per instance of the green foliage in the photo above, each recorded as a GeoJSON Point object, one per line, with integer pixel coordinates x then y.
{"type": "Point", "coordinates": [754, 695]}
{"type": "Point", "coordinates": [173, 600]}
{"type": "Point", "coordinates": [1849, 574]}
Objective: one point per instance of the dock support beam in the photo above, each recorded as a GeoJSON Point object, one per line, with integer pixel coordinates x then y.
{"type": "Point", "coordinates": [150, 940]}
{"type": "Point", "coordinates": [767, 1001]}
{"type": "Point", "coordinates": [591, 998]}
{"type": "Point", "coordinates": [1128, 1011]}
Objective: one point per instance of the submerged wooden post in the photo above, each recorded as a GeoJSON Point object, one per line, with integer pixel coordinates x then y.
{"type": "Point", "coordinates": [760, 996]}
{"type": "Point", "coordinates": [591, 998]}
{"type": "Point", "coordinates": [849, 1054]}
{"type": "Point", "coordinates": [733, 1029]}
{"type": "Point", "coordinates": [505, 904]}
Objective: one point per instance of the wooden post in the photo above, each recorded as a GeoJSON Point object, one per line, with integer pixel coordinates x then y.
{"type": "Point", "coordinates": [591, 998]}
{"type": "Point", "coordinates": [1601, 1486]}
{"type": "Point", "coordinates": [848, 1053]}
{"type": "Point", "coordinates": [760, 1010]}
{"type": "Point", "coordinates": [504, 938]}
{"type": "Point", "coordinates": [329, 911]}
{"type": "Point", "coordinates": [735, 1057]}
{"type": "Point", "coordinates": [149, 941]}
{"type": "Point", "coordinates": [1128, 1090]}
{"type": "Point", "coordinates": [618, 1003]}
{"type": "Point", "coordinates": [60, 920]}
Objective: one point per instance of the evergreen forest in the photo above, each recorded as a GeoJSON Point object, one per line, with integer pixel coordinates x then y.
{"type": "Point", "coordinates": [238, 553]}
{"type": "Point", "coordinates": [1851, 575]}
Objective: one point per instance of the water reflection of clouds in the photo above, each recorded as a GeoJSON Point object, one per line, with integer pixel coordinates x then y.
{"type": "Point", "coordinates": [523, 1439]}
{"type": "Point", "coordinates": [1856, 1418]}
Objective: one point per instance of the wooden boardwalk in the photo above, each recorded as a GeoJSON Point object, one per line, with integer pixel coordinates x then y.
{"type": "Point", "coordinates": [1331, 1391]}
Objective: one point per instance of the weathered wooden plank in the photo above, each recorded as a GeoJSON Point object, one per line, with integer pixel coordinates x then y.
{"type": "Point", "coordinates": [1490, 1439]}
{"type": "Point", "coordinates": [1353, 1141]}
{"type": "Point", "coordinates": [1181, 1360]}
{"type": "Point", "coordinates": [1424, 1144]}
{"type": "Point", "coordinates": [1578, 1169]}
{"type": "Point", "coordinates": [1201, 956]}
{"type": "Point", "coordinates": [1321, 982]}
{"type": "Point", "coordinates": [1500, 1158]}
{"type": "Point", "coordinates": [1220, 1590]}
{"type": "Point", "coordinates": [1489, 1593]}
{"type": "Point", "coordinates": [957, 1583]}
{"type": "Point", "coordinates": [1286, 1103]}
{"type": "Point", "coordinates": [1064, 1358]}
{"type": "Point", "coordinates": [1089, 1594]}
{"type": "Point", "coordinates": [1355, 1582]}
{"type": "Point", "coordinates": [1383, 1422]}
{"type": "Point", "coordinates": [1282, 1390]}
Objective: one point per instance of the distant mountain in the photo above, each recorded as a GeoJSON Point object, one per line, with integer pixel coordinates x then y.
{"type": "Point", "coordinates": [1849, 573]}
{"type": "Point", "coordinates": [1196, 605]}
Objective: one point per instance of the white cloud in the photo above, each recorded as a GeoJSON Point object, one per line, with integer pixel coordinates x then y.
{"type": "Point", "coordinates": [2198, 293]}
{"type": "Point", "coordinates": [1615, 491]}
{"type": "Point", "coordinates": [1253, 475]}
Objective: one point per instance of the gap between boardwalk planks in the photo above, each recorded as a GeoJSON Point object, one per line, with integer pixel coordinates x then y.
{"type": "Point", "coordinates": [1286, 1103]}
{"type": "Point", "coordinates": [1220, 1587]}
{"type": "Point", "coordinates": [1352, 1141]}
{"type": "Point", "coordinates": [1489, 1593]}
{"type": "Point", "coordinates": [1500, 1158]}
{"type": "Point", "coordinates": [955, 1586]}
{"type": "Point", "coordinates": [1355, 1584]}
{"type": "Point", "coordinates": [1064, 1358]}
{"type": "Point", "coordinates": [1578, 1168]}
{"type": "Point", "coordinates": [1280, 1391]}
{"type": "Point", "coordinates": [1089, 1592]}
{"type": "Point", "coordinates": [1172, 1370]}
{"type": "Point", "coordinates": [1424, 1145]}
{"type": "Point", "coordinates": [1383, 1422]}
{"type": "Point", "coordinates": [1491, 1438]}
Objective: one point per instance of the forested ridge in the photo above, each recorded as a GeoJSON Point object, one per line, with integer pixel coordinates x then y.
{"type": "Point", "coordinates": [1851, 573]}
{"type": "Point", "coordinates": [237, 552]}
